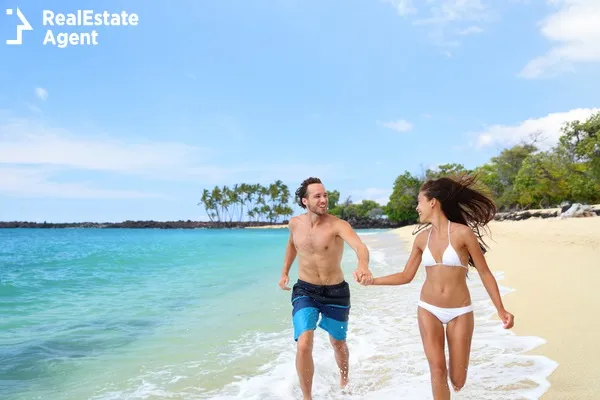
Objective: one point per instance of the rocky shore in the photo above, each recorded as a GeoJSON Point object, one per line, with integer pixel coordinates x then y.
{"type": "Point", "coordinates": [575, 210]}
{"type": "Point", "coordinates": [357, 224]}
{"type": "Point", "coordinates": [566, 211]}
{"type": "Point", "coordinates": [139, 224]}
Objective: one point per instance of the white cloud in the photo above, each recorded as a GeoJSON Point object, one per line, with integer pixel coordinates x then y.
{"type": "Point", "coordinates": [452, 11]}
{"type": "Point", "coordinates": [33, 156]}
{"type": "Point", "coordinates": [549, 127]}
{"type": "Point", "coordinates": [445, 20]}
{"type": "Point", "coordinates": [380, 195]}
{"type": "Point", "coordinates": [400, 125]}
{"type": "Point", "coordinates": [403, 7]}
{"type": "Point", "coordinates": [26, 142]}
{"type": "Point", "coordinates": [471, 30]}
{"type": "Point", "coordinates": [37, 182]}
{"type": "Point", "coordinates": [574, 30]}
{"type": "Point", "coordinates": [41, 93]}
{"type": "Point", "coordinates": [33, 108]}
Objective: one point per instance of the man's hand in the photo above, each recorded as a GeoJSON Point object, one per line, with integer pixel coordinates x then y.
{"type": "Point", "coordinates": [507, 318]}
{"type": "Point", "coordinates": [283, 282]}
{"type": "Point", "coordinates": [363, 276]}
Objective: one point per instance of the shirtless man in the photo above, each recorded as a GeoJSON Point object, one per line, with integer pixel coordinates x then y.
{"type": "Point", "coordinates": [318, 239]}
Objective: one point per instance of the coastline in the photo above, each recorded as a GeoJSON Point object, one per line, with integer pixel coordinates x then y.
{"type": "Point", "coordinates": [552, 266]}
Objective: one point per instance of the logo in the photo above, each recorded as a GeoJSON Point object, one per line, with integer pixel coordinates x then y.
{"type": "Point", "coordinates": [77, 28]}
{"type": "Point", "coordinates": [23, 26]}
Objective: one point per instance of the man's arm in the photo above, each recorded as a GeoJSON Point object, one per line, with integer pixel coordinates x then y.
{"type": "Point", "coordinates": [362, 273]}
{"type": "Point", "coordinates": [288, 260]}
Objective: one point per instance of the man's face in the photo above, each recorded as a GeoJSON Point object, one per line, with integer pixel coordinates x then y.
{"type": "Point", "coordinates": [316, 199]}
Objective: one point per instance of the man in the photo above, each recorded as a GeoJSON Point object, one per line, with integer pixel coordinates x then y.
{"type": "Point", "coordinates": [318, 239]}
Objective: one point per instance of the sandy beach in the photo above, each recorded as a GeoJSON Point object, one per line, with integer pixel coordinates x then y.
{"type": "Point", "coordinates": [554, 266]}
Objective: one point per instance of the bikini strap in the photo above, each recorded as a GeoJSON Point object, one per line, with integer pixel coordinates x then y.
{"type": "Point", "coordinates": [428, 236]}
{"type": "Point", "coordinates": [449, 241]}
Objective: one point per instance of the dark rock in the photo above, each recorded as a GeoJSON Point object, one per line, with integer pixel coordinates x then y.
{"type": "Point", "coordinates": [373, 223]}
{"type": "Point", "coordinates": [366, 223]}
{"type": "Point", "coordinates": [140, 224]}
{"type": "Point", "coordinates": [522, 215]}
{"type": "Point", "coordinates": [565, 207]}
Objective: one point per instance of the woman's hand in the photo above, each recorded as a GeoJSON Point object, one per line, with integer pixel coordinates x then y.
{"type": "Point", "coordinates": [507, 318]}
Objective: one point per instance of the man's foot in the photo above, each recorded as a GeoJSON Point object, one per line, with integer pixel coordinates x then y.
{"type": "Point", "coordinates": [346, 389]}
{"type": "Point", "coordinates": [343, 381]}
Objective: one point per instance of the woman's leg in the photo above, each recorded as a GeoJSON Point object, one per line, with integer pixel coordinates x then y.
{"type": "Point", "coordinates": [432, 335]}
{"type": "Point", "coordinates": [460, 333]}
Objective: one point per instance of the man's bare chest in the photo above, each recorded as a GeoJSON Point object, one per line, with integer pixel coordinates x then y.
{"type": "Point", "coordinates": [314, 242]}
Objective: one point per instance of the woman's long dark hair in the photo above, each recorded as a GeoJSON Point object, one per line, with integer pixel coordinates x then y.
{"type": "Point", "coordinates": [463, 202]}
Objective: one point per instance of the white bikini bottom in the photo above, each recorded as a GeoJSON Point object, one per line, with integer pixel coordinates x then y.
{"type": "Point", "coordinates": [445, 315]}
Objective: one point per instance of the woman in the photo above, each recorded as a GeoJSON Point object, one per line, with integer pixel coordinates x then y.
{"type": "Point", "coordinates": [455, 211]}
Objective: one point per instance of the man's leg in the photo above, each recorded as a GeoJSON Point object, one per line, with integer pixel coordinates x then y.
{"type": "Point", "coordinates": [334, 321]}
{"type": "Point", "coordinates": [305, 314]}
{"type": "Point", "coordinates": [342, 356]}
{"type": "Point", "coordinates": [304, 363]}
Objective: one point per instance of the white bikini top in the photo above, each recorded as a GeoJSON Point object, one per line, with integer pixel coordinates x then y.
{"type": "Point", "coordinates": [449, 258]}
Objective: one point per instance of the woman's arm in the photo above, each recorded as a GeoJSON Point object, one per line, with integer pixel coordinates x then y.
{"type": "Point", "coordinates": [410, 269]}
{"type": "Point", "coordinates": [487, 278]}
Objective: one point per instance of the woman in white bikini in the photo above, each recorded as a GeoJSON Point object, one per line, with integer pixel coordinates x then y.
{"type": "Point", "coordinates": [455, 212]}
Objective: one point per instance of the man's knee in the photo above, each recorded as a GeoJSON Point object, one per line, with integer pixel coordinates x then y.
{"type": "Point", "coordinates": [305, 343]}
{"type": "Point", "coordinates": [339, 345]}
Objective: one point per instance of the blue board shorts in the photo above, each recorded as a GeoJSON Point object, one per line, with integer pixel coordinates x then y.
{"type": "Point", "coordinates": [332, 302]}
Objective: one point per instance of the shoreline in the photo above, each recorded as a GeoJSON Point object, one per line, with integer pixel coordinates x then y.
{"type": "Point", "coordinates": [549, 263]}
{"type": "Point", "coordinates": [356, 223]}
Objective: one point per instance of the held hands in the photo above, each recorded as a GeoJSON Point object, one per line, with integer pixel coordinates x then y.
{"type": "Point", "coordinates": [507, 318]}
{"type": "Point", "coordinates": [283, 282]}
{"type": "Point", "coordinates": [363, 276]}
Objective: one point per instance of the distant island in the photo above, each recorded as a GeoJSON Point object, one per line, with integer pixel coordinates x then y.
{"type": "Point", "coordinates": [357, 224]}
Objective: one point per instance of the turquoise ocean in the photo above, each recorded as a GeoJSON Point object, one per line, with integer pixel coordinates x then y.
{"type": "Point", "coordinates": [104, 314]}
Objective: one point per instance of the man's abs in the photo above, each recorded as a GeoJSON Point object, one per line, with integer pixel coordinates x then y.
{"type": "Point", "coordinates": [320, 273]}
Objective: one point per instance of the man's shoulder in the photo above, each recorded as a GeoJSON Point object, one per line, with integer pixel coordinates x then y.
{"type": "Point", "coordinates": [294, 221]}
{"type": "Point", "coordinates": [338, 224]}
{"type": "Point", "coordinates": [333, 219]}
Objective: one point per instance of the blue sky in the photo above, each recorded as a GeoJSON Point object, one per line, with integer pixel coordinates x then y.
{"type": "Point", "coordinates": [205, 93]}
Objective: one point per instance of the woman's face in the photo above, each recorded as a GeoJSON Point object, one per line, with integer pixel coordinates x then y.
{"type": "Point", "coordinates": [424, 207]}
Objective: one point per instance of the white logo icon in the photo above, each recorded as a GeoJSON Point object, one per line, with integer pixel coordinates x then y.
{"type": "Point", "coordinates": [23, 26]}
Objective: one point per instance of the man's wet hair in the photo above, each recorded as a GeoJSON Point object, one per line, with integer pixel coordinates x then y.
{"type": "Point", "coordinates": [303, 189]}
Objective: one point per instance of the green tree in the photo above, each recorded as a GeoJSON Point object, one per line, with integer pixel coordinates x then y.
{"type": "Point", "coordinates": [334, 198]}
{"type": "Point", "coordinates": [365, 207]}
{"type": "Point", "coordinates": [500, 173]}
{"type": "Point", "coordinates": [540, 181]}
{"type": "Point", "coordinates": [581, 142]}
{"type": "Point", "coordinates": [450, 169]}
{"type": "Point", "coordinates": [403, 200]}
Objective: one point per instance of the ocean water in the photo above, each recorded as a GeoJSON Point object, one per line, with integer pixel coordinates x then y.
{"type": "Point", "coordinates": [197, 314]}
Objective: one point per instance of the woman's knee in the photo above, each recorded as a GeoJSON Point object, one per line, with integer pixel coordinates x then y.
{"type": "Point", "coordinates": [458, 379]}
{"type": "Point", "coordinates": [438, 369]}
